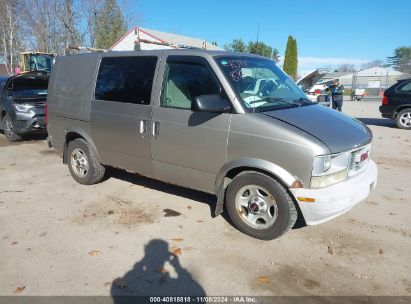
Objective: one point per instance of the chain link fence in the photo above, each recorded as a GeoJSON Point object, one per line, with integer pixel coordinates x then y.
{"type": "Point", "coordinates": [369, 87]}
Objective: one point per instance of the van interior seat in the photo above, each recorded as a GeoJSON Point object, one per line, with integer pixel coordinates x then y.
{"type": "Point", "coordinates": [177, 93]}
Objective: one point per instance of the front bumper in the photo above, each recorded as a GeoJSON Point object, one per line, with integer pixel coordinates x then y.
{"type": "Point", "coordinates": [337, 199]}
{"type": "Point", "coordinates": [30, 123]}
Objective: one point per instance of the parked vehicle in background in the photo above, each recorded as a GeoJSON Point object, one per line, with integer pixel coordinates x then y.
{"type": "Point", "coordinates": [231, 124]}
{"type": "Point", "coordinates": [315, 92]}
{"type": "Point", "coordinates": [396, 103]}
{"type": "Point", "coordinates": [359, 94]}
{"type": "Point", "coordinates": [22, 105]}
{"type": "Point", "coordinates": [3, 80]}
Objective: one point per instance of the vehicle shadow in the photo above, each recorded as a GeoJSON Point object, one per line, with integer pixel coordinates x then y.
{"type": "Point", "coordinates": [198, 196]}
{"type": "Point", "coordinates": [158, 273]}
{"type": "Point", "coordinates": [380, 122]}
{"type": "Point", "coordinates": [140, 180]}
{"type": "Point", "coordinates": [25, 139]}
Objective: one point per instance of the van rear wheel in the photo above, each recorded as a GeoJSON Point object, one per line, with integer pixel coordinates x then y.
{"type": "Point", "coordinates": [83, 164]}
{"type": "Point", "coordinates": [259, 206]}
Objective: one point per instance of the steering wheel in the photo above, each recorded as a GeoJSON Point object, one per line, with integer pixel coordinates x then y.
{"type": "Point", "coordinates": [267, 87]}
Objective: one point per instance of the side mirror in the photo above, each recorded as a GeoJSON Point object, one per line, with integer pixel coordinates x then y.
{"type": "Point", "coordinates": [210, 103]}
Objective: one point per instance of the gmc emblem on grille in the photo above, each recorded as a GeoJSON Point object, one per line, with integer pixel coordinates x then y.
{"type": "Point", "coordinates": [364, 156]}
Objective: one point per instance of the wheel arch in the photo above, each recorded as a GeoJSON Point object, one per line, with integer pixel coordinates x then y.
{"type": "Point", "coordinates": [401, 107]}
{"type": "Point", "coordinates": [235, 167]}
{"type": "Point", "coordinates": [76, 133]}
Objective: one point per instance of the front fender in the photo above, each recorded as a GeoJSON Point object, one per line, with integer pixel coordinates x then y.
{"type": "Point", "coordinates": [252, 163]}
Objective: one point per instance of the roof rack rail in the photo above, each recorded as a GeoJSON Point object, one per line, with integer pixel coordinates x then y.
{"type": "Point", "coordinates": [86, 49]}
{"type": "Point", "coordinates": [173, 45]}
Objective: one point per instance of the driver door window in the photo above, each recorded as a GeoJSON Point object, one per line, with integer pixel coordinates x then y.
{"type": "Point", "coordinates": [184, 81]}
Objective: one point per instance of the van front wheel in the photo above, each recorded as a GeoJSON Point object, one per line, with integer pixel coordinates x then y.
{"type": "Point", "coordinates": [83, 163]}
{"type": "Point", "coordinates": [259, 206]}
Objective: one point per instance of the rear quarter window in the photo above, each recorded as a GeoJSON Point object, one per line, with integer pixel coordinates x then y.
{"type": "Point", "coordinates": [126, 79]}
{"type": "Point", "coordinates": [405, 87]}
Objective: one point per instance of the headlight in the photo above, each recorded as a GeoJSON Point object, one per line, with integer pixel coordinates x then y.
{"type": "Point", "coordinates": [23, 107]}
{"type": "Point", "coordinates": [329, 170]}
{"type": "Point", "coordinates": [327, 180]}
{"type": "Point", "coordinates": [321, 164]}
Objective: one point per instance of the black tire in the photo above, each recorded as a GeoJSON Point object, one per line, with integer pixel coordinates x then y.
{"type": "Point", "coordinates": [8, 130]}
{"type": "Point", "coordinates": [286, 211]}
{"type": "Point", "coordinates": [95, 172]}
{"type": "Point", "coordinates": [399, 117]}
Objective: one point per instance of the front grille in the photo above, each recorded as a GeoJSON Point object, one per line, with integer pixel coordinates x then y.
{"type": "Point", "coordinates": [358, 160]}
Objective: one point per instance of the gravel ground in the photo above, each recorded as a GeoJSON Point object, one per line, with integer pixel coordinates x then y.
{"type": "Point", "coordinates": [130, 234]}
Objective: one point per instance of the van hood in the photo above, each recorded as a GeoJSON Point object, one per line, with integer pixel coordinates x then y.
{"type": "Point", "coordinates": [338, 131]}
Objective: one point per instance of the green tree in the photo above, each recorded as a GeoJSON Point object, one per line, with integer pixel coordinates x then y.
{"type": "Point", "coordinates": [110, 24]}
{"type": "Point", "coordinates": [237, 45]}
{"type": "Point", "coordinates": [291, 58]}
{"type": "Point", "coordinates": [401, 60]}
{"type": "Point", "coordinates": [260, 48]}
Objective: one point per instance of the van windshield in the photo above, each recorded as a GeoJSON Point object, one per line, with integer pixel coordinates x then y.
{"type": "Point", "coordinates": [261, 85]}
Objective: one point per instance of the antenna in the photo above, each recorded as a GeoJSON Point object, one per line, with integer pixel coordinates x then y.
{"type": "Point", "coordinates": [258, 30]}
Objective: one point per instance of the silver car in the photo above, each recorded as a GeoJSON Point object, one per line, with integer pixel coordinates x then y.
{"type": "Point", "coordinates": [234, 125]}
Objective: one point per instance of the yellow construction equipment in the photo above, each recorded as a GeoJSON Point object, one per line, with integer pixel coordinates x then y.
{"type": "Point", "coordinates": [36, 61]}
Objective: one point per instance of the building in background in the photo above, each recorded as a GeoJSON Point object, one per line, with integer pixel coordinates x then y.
{"type": "Point", "coordinates": [373, 80]}
{"type": "Point", "coordinates": [152, 40]}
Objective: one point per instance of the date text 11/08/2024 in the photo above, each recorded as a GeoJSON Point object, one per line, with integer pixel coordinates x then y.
{"type": "Point", "coordinates": [184, 299]}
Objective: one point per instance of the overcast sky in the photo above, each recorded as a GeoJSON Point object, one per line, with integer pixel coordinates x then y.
{"type": "Point", "coordinates": [327, 32]}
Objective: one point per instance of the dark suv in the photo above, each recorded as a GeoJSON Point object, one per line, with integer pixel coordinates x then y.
{"type": "Point", "coordinates": [396, 103]}
{"type": "Point", "coordinates": [22, 105]}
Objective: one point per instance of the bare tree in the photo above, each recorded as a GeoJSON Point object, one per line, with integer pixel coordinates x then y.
{"type": "Point", "coordinates": [69, 20]}
{"type": "Point", "coordinates": [50, 25]}
{"type": "Point", "coordinates": [373, 64]}
{"type": "Point", "coordinates": [345, 67]}
{"type": "Point", "coordinates": [89, 10]}
{"type": "Point", "coordinates": [9, 31]}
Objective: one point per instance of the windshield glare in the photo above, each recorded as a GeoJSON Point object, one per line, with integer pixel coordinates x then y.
{"type": "Point", "coordinates": [260, 84]}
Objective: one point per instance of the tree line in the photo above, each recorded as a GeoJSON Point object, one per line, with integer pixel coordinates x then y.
{"type": "Point", "coordinates": [399, 61]}
{"type": "Point", "coordinates": [52, 26]}
{"type": "Point", "coordinates": [261, 48]}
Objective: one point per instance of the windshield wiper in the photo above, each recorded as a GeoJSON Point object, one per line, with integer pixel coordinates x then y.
{"type": "Point", "coordinates": [266, 99]}
{"type": "Point", "coordinates": [299, 102]}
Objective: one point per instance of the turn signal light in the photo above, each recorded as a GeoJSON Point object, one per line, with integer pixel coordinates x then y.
{"type": "Point", "coordinates": [306, 199]}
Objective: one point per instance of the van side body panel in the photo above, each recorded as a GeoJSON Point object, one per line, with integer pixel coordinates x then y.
{"type": "Point", "coordinates": [69, 96]}
{"type": "Point", "coordinates": [116, 126]}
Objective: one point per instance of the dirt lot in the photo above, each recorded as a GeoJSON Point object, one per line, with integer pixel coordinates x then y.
{"type": "Point", "coordinates": [61, 238]}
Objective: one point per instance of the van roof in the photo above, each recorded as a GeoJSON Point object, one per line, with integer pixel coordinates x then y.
{"type": "Point", "coordinates": [193, 52]}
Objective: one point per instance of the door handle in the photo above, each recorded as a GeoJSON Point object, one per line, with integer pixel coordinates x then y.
{"type": "Point", "coordinates": [143, 127]}
{"type": "Point", "coordinates": [156, 128]}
